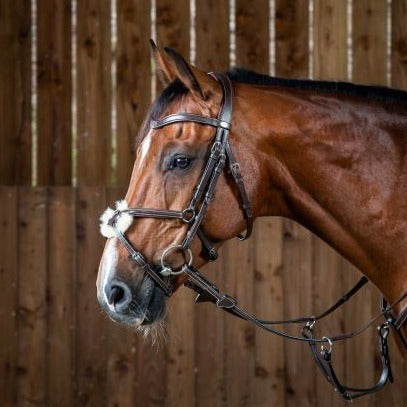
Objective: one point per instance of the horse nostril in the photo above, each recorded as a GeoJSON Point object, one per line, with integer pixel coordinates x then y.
{"type": "Point", "coordinates": [116, 295]}
{"type": "Point", "coordinates": [119, 296]}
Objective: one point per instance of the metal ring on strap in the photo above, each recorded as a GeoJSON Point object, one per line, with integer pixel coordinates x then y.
{"type": "Point", "coordinates": [325, 350]}
{"type": "Point", "coordinates": [167, 271]}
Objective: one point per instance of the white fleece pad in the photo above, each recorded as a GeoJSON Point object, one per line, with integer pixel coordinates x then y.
{"type": "Point", "coordinates": [123, 220]}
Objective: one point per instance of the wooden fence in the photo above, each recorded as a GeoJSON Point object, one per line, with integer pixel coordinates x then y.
{"type": "Point", "coordinates": [57, 130]}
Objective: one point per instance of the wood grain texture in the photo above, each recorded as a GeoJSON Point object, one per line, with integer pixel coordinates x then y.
{"type": "Point", "coordinates": [91, 354]}
{"type": "Point", "coordinates": [292, 38]}
{"type": "Point", "coordinates": [61, 297]}
{"type": "Point", "coordinates": [172, 27]}
{"type": "Point", "coordinates": [54, 77]}
{"type": "Point", "coordinates": [212, 45]}
{"type": "Point", "coordinates": [8, 299]}
{"type": "Point", "coordinates": [32, 299]}
{"type": "Point", "coordinates": [252, 35]}
{"type": "Point", "coordinates": [238, 265]}
{"type": "Point", "coordinates": [269, 384]}
{"type": "Point", "coordinates": [298, 279]}
{"type": "Point", "coordinates": [15, 93]}
{"type": "Point", "coordinates": [210, 345]}
{"type": "Point", "coordinates": [329, 39]}
{"type": "Point", "coordinates": [181, 350]}
{"type": "Point", "coordinates": [399, 44]}
{"type": "Point", "coordinates": [369, 42]}
{"type": "Point", "coordinates": [133, 80]}
{"type": "Point", "coordinates": [94, 92]}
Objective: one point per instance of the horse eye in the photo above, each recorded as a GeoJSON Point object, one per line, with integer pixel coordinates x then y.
{"type": "Point", "coordinates": [181, 162]}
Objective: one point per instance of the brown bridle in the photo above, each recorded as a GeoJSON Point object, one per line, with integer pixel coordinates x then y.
{"type": "Point", "coordinates": [220, 154]}
{"type": "Point", "coordinates": [194, 214]}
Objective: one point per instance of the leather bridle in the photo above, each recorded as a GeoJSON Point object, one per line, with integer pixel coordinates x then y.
{"type": "Point", "coordinates": [220, 154]}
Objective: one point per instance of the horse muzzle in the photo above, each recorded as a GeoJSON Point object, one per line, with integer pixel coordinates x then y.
{"type": "Point", "coordinates": [134, 305]}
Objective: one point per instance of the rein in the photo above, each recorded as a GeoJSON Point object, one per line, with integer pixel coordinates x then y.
{"type": "Point", "coordinates": [220, 154]}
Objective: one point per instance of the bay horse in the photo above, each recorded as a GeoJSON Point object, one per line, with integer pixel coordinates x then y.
{"type": "Point", "coordinates": [330, 155]}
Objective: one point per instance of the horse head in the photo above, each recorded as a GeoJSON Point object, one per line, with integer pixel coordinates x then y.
{"type": "Point", "coordinates": [182, 147]}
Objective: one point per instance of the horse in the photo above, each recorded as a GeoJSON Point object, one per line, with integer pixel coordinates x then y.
{"type": "Point", "coordinates": [331, 156]}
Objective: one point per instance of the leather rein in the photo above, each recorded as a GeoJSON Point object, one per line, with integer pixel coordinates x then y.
{"type": "Point", "coordinates": [220, 154]}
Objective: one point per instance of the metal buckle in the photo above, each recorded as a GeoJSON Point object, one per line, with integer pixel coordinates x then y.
{"type": "Point", "coordinates": [113, 219]}
{"type": "Point", "coordinates": [307, 328]}
{"type": "Point", "coordinates": [188, 215]}
{"type": "Point", "coordinates": [225, 301]}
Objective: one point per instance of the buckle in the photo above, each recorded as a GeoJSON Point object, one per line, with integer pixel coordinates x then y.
{"type": "Point", "coordinates": [225, 301]}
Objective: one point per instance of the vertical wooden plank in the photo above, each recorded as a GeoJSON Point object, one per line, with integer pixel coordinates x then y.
{"type": "Point", "coordinates": [15, 93]}
{"type": "Point", "coordinates": [252, 34]}
{"type": "Point", "coordinates": [133, 79]}
{"type": "Point", "coordinates": [91, 352]}
{"type": "Point", "coordinates": [212, 53]}
{"type": "Point", "coordinates": [269, 385]}
{"type": "Point", "coordinates": [396, 394]}
{"type": "Point", "coordinates": [369, 67]}
{"type": "Point", "coordinates": [181, 351]}
{"type": "Point", "coordinates": [172, 27]}
{"type": "Point", "coordinates": [172, 24]}
{"type": "Point", "coordinates": [328, 288]}
{"type": "Point", "coordinates": [369, 42]}
{"type": "Point", "coordinates": [399, 44]}
{"type": "Point", "coordinates": [8, 300]}
{"type": "Point", "coordinates": [121, 342]}
{"type": "Point", "coordinates": [60, 296]}
{"type": "Point", "coordinates": [94, 92]}
{"type": "Point", "coordinates": [212, 34]}
{"type": "Point", "coordinates": [292, 38]}
{"type": "Point", "coordinates": [54, 92]}
{"type": "Point", "coordinates": [210, 348]}
{"type": "Point", "coordinates": [32, 302]}
{"type": "Point", "coordinates": [298, 282]}
{"type": "Point", "coordinates": [329, 39]}
{"type": "Point", "coordinates": [239, 335]}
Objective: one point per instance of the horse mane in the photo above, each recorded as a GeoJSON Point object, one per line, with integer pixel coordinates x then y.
{"type": "Point", "coordinates": [377, 93]}
{"type": "Point", "coordinates": [175, 90]}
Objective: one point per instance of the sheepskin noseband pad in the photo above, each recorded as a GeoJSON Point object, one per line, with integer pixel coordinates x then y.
{"type": "Point", "coordinates": [117, 217]}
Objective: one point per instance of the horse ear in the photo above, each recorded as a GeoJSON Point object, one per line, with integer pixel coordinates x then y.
{"type": "Point", "coordinates": [197, 81]}
{"type": "Point", "coordinates": [165, 67]}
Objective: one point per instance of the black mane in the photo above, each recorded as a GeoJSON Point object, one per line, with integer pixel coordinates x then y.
{"type": "Point", "coordinates": [176, 89]}
{"type": "Point", "coordinates": [378, 93]}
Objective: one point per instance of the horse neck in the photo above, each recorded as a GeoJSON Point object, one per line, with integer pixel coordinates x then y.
{"type": "Point", "coordinates": [336, 166]}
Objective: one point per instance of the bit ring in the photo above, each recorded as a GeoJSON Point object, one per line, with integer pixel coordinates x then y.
{"type": "Point", "coordinates": [167, 271]}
